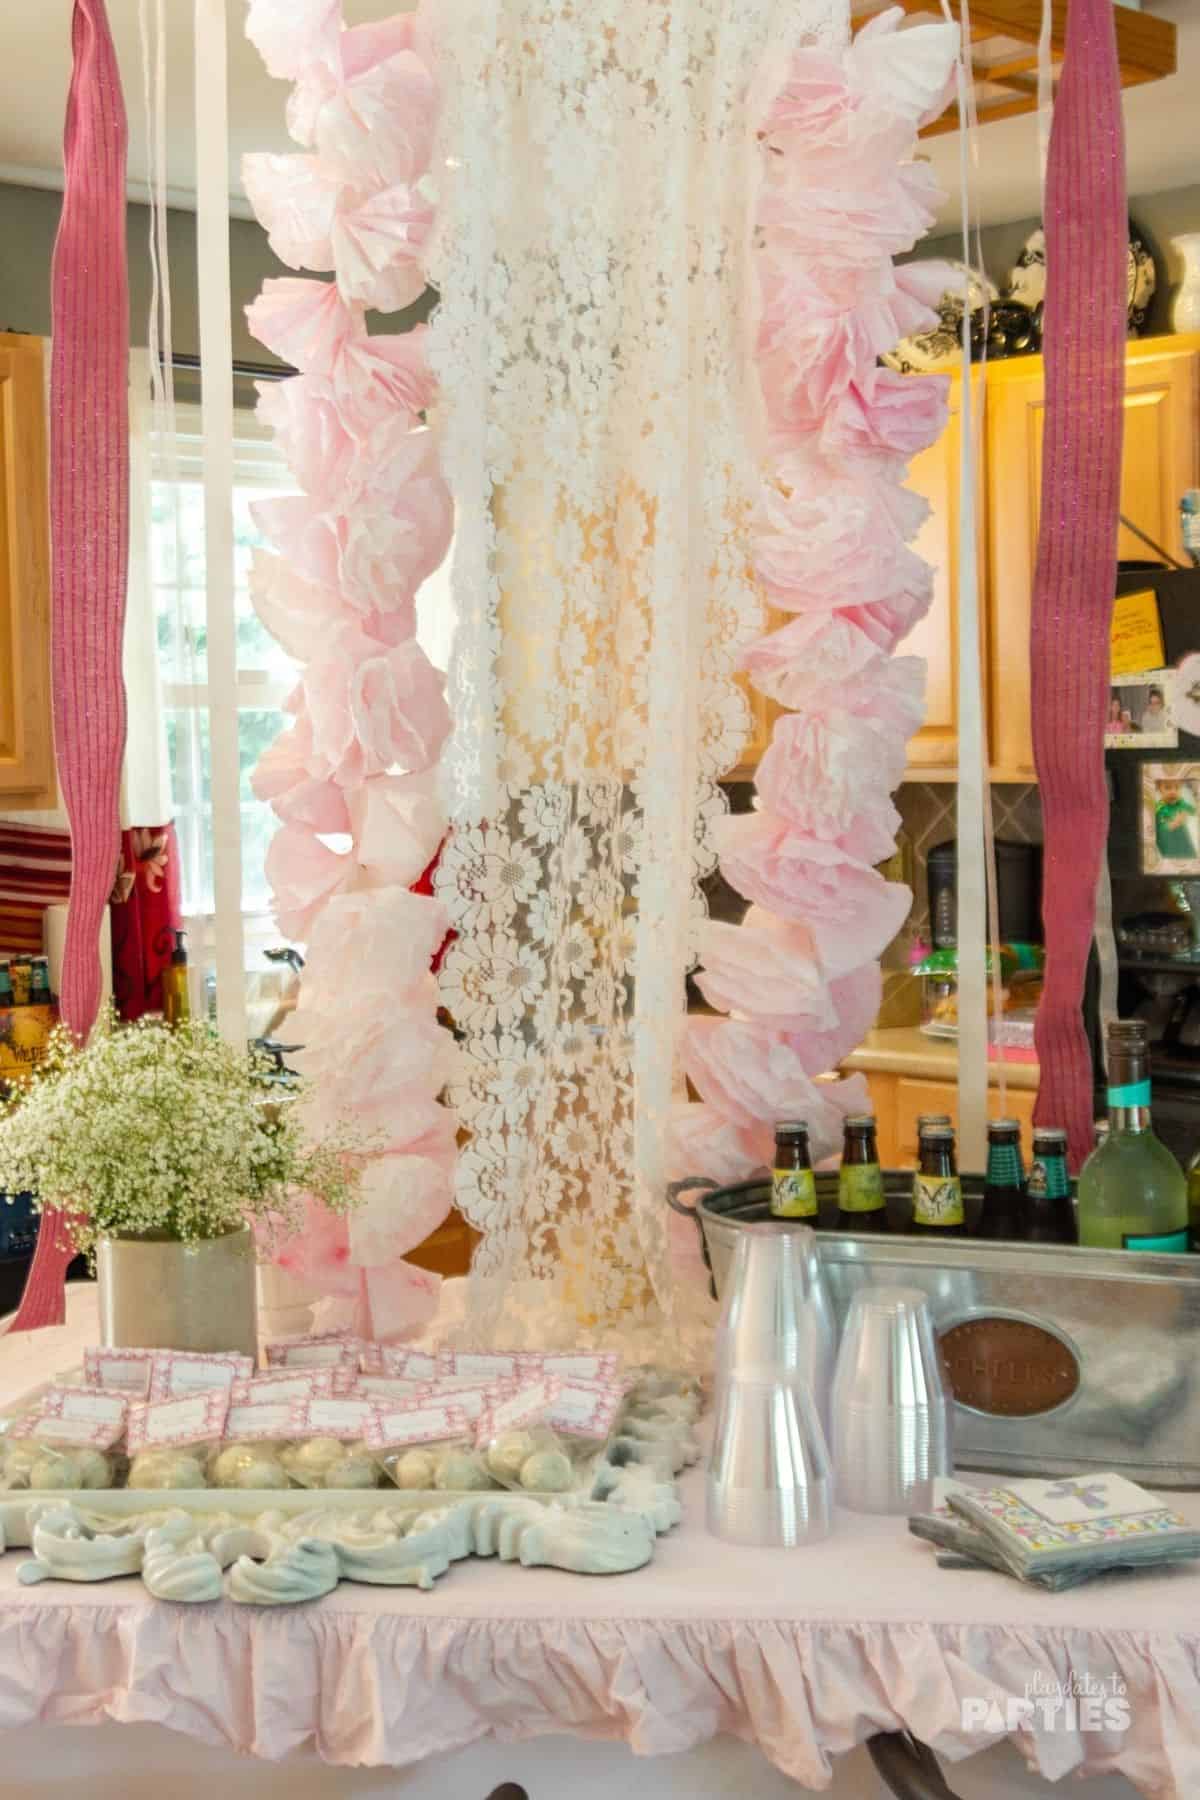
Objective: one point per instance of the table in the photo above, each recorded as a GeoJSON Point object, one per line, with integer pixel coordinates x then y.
{"type": "Point", "coordinates": [804, 1655]}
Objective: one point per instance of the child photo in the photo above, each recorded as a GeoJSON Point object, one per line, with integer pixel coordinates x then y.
{"type": "Point", "coordinates": [1171, 818]}
{"type": "Point", "coordinates": [1140, 713]}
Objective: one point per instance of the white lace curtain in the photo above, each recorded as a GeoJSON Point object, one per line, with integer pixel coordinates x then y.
{"type": "Point", "coordinates": [599, 423]}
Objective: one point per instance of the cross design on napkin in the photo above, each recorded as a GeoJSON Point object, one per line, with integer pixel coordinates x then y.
{"type": "Point", "coordinates": [1092, 1493]}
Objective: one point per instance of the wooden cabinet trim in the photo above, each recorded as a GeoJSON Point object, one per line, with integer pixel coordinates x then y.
{"type": "Point", "coordinates": [26, 732]}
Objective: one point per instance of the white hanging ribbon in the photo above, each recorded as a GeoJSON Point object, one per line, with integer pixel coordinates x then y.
{"type": "Point", "coordinates": [216, 360]}
{"type": "Point", "coordinates": [973, 827]}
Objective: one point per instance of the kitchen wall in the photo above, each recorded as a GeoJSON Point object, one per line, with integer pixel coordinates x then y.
{"type": "Point", "coordinates": [29, 220]}
{"type": "Point", "coordinates": [1158, 218]}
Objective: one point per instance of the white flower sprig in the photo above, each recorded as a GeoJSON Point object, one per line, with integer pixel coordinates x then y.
{"type": "Point", "coordinates": [166, 1132]}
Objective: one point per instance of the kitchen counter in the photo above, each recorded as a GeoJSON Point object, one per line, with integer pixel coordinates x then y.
{"type": "Point", "coordinates": [904, 1050]}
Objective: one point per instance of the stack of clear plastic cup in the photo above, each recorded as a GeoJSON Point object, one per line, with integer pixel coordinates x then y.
{"type": "Point", "coordinates": [769, 1479]}
{"type": "Point", "coordinates": [890, 1406]}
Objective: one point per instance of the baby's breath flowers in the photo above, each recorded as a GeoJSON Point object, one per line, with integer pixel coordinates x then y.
{"type": "Point", "coordinates": [165, 1132]}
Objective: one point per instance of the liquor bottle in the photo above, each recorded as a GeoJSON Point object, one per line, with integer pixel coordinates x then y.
{"type": "Point", "coordinates": [861, 1205]}
{"type": "Point", "coordinates": [937, 1190]}
{"type": "Point", "coordinates": [1049, 1215]}
{"type": "Point", "coordinates": [1132, 1192]}
{"type": "Point", "coordinates": [39, 989]}
{"type": "Point", "coordinates": [1004, 1185]}
{"type": "Point", "coordinates": [793, 1184]}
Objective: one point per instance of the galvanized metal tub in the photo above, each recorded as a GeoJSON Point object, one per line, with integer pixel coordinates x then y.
{"type": "Point", "coordinates": [1060, 1359]}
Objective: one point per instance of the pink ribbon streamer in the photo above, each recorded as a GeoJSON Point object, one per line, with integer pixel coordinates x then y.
{"type": "Point", "coordinates": [1084, 336]}
{"type": "Point", "coordinates": [89, 536]}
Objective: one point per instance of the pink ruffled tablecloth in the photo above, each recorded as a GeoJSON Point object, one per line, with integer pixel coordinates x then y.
{"type": "Point", "coordinates": [806, 1654]}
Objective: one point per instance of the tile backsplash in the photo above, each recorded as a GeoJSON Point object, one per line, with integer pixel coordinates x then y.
{"type": "Point", "coordinates": [927, 813]}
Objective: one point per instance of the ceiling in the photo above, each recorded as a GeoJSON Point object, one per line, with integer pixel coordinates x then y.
{"type": "Point", "coordinates": [1163, 139]}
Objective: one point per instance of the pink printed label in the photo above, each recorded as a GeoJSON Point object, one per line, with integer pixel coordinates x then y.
{"type": "Point", "coordinates": [422, 1421]}
{"type": "Point", "coordinates": [586, 1408]}
{"type": "Point", "coordinates": [91, 1404]}
{"type": "Point", "coordinates": [122, 1371]}
{"type": "Point", "coordinates": [257, 1421]}
{"type": "Point", "coordinates": [483, 1365]}
{"type": "Point", "coordinates": [394, 1387]}
{"type": "Point", "coordinates": [176, 1373]}
{"type": "Point", "coordinates": [345, 1419]}
{"type": "Point", "coordinates": [282, 1385]}
{"type": "Point", "coordinates": [572, 1365]}
{"type": "Point", "coordinates": [527, 1405]}
{"type": "Point", "coordinates": [416, 1365]}
{"type": "Point", "coordinates": [197, 1419]}
{"type": "Point", "coordinates": [51, 1429]}
{"type": "Point", "coordinates": [314, 1353]}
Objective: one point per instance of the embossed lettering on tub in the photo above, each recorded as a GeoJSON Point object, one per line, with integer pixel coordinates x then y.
{"type": "Point", "coordinates": [1007, 1367]}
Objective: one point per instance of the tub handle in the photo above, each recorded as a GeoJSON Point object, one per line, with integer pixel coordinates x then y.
{"type": "Point", "coordinates": [675, 1188]}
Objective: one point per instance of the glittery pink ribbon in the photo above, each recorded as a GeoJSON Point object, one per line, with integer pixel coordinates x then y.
{"type": "Point", "coordinates": [89, 535]}
{"type": "Point", "coordinates": [1084, 336]}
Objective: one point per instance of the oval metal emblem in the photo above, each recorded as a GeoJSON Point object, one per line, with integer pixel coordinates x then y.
{"type": "Point", "coordinates": [1008, 1367]}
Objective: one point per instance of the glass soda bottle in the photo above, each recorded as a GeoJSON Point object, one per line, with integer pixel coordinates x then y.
{"type": "Point", "coordinates": [1132, 1192]}
{"type": "Point", "coordinates": [937, 1190]}
{"type": "Point", "coordinates": [1004, 1185]}
{"type": "Point", "coordinates": [793, 1184]}
{"type": "Point", "coordinates": [861, 1204]}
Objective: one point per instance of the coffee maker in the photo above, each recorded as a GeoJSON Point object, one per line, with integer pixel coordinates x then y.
{"type": "Point", "coordinates": [1018, 893]}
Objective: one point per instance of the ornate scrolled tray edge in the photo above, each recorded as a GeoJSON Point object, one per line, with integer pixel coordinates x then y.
{"type": "Point", "coordinates": [271, 1549]}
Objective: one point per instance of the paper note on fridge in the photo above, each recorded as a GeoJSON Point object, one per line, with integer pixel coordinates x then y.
{"type": "Point", "coordinates": [1136, 640]}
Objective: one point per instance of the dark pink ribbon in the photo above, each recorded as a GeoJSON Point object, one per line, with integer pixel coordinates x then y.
{"type": "Point", "coordinates": [1084, 337]}
{"type": "Point", "coordinates": [89, 538]}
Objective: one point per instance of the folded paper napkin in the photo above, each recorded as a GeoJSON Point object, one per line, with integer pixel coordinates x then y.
{"type": "Point", "coordinates": [1055, 1534]}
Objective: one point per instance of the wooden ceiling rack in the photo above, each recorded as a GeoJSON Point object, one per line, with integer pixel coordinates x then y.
{"type": "Point", "coordinates": [1004, 36]}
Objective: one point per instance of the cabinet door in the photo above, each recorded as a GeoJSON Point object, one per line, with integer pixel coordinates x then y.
{"type": "Point", "coordinates": [26, 737]}
{"type": "Point", "coordinates": [914, 1097]}
{"type": "Point", "coordinates": [935, 475]}
{"type": "Point", "coordinates": [1158, 463]}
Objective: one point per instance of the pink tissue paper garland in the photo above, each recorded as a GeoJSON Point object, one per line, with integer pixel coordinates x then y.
{"type": "Point", "coordinates": [372, 520]}
{"type": "Point", "coordinates": [1086, 233]}
{"type": "Point", "coordinates": [800, 979]}
{"type": "Point", "coordinates": [89, 535]}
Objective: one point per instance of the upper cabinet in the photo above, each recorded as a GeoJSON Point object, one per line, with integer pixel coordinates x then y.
{"type": "Point", "coordinates": [26, 735]}
{"type": "Point", "coordinates": [1159, 461]}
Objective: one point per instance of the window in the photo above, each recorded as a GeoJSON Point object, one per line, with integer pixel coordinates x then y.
{"type": "Point", "coordinates": [265, 673]}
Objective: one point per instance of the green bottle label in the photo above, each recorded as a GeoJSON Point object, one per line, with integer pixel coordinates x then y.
{"type": "Point", "coordinates": [937, 1200]}
{"type": "Point", "coordinates": [793, 1193]}
{"type": "Point", "coordinates": [1171, 1243]}
{"type": "Point", "coordinates": [1003, 1166]}
{"type": "Point", "coordinates": [1048, 1178]}
{"type": "Point", "coordinates": [1134, 1093]}
{"type": "Point", "coordinates": [860, 1187]}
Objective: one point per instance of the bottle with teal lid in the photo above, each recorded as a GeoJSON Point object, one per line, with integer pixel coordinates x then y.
{"type": "Point", "coordinates": [1132, 1193]}
{"type": "Point", "coordinates": [1004, 1185]}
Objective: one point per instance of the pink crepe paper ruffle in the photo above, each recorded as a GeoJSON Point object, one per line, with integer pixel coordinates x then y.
{"type": "Point", "coordinates": [830, 543]}
{"type": "Point", "coordinates": [353, 778]}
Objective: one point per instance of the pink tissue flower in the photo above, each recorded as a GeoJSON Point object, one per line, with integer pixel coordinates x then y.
{"type": "Point", "coordinates": [762, 972]}
{"type": "Point", "coordinates": [886, 414]}
{"type": "Point", "coordinates": [373, 708]}
{"type": "Point", "coordinates": [399, 822]}
{"type": "Point", "coordinates": [855, 1001]}
{"type": "Point", "coordinates": [303, 414]}
{"type": "Point", "coordinates": [372, 122]}
{"type": "Point", "coordinates": [703, 1141]}
{"type": "Point", "coordinates": [306, 323]}
{"type": "Point", "coordinates": [377, 248]}
{"type": "Point", "coordinates": [282, 778]}
{"type": "Point", "coordinates": [813, 652]}
{"type": "Point", "coordinates": [292, 35]}
{"type": "Point", "coordinates": [403, 1199]}
{"type": "Point", "coordinates": [850, 910]}
{"type": "Point", "coordinates": [303, 874]}
{"type": "Point", "coordinates": [401, 1300]}
{"type": "Point", "coordinates": [907, 69]}
{"type": "Point", "coordinates": [295, 200]}
{"type": "Point", "coordinates": [383, 380]}
{"type": "Point", "coordinates": [385, 1066]}
{"type": "Point", "coordinates": [822, 541]}
{"type": "Point", "coordinates": [754, 1075]}
{"type": "Point", "coordinates": [374, 938]}
{"type": "Point", "coordinates": [298, 614]}
{"type": "Point", "coordinates": [840, 232]}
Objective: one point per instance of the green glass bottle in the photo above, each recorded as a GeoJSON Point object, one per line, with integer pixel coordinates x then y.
{"type": "Point", "coordinates": [861, 1204]}
{"type": "Point", "coordinates": [937, 1190]}
{"type": "Point", "coordinates": [1132, 1192]}
{"type": "Point", "coordinates": [1004, 1186]}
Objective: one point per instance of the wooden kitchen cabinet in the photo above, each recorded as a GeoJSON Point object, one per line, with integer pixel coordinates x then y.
{"type": "Point", "coordinates": [899, 1100]}
{"type": "Point", "coordinates": [26, 734]}
{"type": "Point", "coordinates": [1159, 461]}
